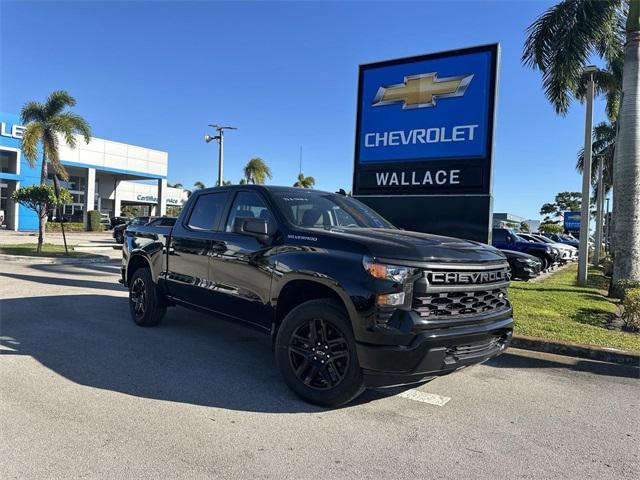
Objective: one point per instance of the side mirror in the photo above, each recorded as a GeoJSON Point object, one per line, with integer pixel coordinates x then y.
{"type": "Point", "coordinates": [252, 227]}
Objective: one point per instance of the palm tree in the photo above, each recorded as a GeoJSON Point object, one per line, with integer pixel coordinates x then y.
{"type": "Point", "coordinates": [304, 182]}
{"type": "Point", "coordinates": [603, 147]}
{"type": "Point", "coordinates": [174, 185]}
{"type": "Point", "coordinates": [559, 44]}
{"type": "Point", "coordinates": [198, 185]}
{"type": "Point", "coordinates": [46, 124]}
{"type": "Point", "coordinates": [257, 171]}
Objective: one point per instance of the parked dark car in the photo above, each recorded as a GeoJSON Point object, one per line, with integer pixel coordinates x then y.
{"type": "Point", "coordinates": [523, 266]}
{"type": "Point", "coordinates": [506, 239]}
{"type": "Point", "coordinates": [115, 221]}
{"type": "Point", "coordinates": [562, 238]}
{"type": "Point", "coordinates": [349, 300]}
{"type": "Point", "coordinates": [118, 231]}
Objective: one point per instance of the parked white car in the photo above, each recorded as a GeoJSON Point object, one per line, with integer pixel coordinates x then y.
{"type": "Point", "coordinates": [567, 252]}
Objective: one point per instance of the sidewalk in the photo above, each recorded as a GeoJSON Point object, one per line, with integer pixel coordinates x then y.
{"type": "Point", "coordinates": [8, 237]}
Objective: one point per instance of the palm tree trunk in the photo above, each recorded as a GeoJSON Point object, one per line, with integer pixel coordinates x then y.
{"type": "Point", "coordinates": [42, 220]}
{"type": "Point", "coordinates": [626, 185]}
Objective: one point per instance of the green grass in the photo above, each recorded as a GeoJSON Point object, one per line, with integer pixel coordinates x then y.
{"type": "Point", "coordinates": [558, 309]}
{"type": "Point", "coordinates": [48, 250]}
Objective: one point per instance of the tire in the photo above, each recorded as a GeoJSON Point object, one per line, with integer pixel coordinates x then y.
{"type": "Point", "coordinates": [545, 261]}
{"type": "Point", "coordinates": [146, 304]}
{"type": "Point", "coordinates": [119, 237]}
{"type": "Point", "coordinates": [308, 369]}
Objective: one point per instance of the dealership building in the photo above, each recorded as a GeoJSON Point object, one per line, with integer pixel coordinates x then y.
{"type": "Point", "coordinates": [104, 175]}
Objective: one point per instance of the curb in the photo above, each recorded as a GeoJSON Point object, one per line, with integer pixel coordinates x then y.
{"type": "Point", "coordinates": [54, 261]}
{"type": "Point", "coordinates": [601, 354]}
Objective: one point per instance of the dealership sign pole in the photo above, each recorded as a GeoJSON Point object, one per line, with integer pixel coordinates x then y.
{"type": "Point", "coordinates": [424, 141]}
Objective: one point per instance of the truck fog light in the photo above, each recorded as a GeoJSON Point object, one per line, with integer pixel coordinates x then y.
{"type": "Point", "coordinates": [391, 299]}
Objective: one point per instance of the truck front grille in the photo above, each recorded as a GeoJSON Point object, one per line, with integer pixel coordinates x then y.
{"type": "Point", "coordinates": [448, 295]}
{"type": "Point", "coordinates": [460, 303]}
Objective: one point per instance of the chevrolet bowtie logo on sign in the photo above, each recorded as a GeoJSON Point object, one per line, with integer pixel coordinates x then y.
{"type": "Point", "coordinates": [422, 90]}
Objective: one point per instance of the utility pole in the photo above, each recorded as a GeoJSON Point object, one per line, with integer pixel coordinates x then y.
{"type": "Point", "coordinates": [599, 213]}
{"type": "Point", "coordinates": [583, 253]}
{"type": "Point", "coordinates": [220, 139]}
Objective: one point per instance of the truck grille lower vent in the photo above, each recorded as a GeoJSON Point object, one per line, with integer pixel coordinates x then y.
{"type": "Point", "coordinates": [460, 303]}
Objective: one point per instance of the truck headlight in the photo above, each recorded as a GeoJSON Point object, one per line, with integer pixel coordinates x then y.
{"type": "Point", "coordinates": [385, 271]}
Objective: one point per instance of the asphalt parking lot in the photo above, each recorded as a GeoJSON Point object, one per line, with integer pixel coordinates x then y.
{"type": "Point", "coordinates": [85, 393]}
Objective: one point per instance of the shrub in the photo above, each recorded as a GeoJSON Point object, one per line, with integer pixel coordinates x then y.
{"type": "Point", "coordinates": [94, 221]}
{"type": "Point", "coordinates": [619, 289]}
{"type": "Point", "coordinates": [631, 309]}
{"type": "Point", "coordinates": [68, 227]}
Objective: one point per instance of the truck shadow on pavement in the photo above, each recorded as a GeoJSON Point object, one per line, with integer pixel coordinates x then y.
{"type": "Point", "coordinates": [190, 358]}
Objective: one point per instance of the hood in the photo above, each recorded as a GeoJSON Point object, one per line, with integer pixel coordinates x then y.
{"type": "Point", "coordinates": [387, 243]}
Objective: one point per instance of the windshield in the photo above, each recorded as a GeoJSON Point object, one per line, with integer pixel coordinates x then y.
{"type": "Point", "coordinates": [309, 209]}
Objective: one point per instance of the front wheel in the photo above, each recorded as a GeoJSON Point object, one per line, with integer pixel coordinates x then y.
{"type": "Point", "coordinates": [119, 237]}
{"type": "Point", "coordinates": [316, 354]}
{"type": "Point", "coordinates": [146, 304]}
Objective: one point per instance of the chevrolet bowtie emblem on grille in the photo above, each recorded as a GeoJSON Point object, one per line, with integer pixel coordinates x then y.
{"type": "Point", "coordinates": [422, 90]}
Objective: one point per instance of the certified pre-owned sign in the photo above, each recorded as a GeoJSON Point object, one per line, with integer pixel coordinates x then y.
{"type": "Point", "coordinates": [425, 124]}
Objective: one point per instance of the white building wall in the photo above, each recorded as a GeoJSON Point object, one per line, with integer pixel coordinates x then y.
{"type": "Point", "coordinates": [115, 155]}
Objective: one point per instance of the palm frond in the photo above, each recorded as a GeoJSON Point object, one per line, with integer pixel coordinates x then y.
{"type": "Point", "coordinates": [78, 124]}
{"type": "Point", "coordinates": [57, 101]}
{"type": "Point", "coordinates": [560, 42]}
{"type": "Point", "coordinates": [31, 136]}
{"type": "Point", "coordinates": [33, 112]}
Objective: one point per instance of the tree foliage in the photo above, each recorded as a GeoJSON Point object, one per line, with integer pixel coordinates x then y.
{"type": "Point", "coordinates": [44, 124]}
{"type": "Point", "coordinates": [564, 202]}
{"type": "Point", "coordinates": [551, 227]}
{"type": "Point", "coordinates": [257, 171]}
{"type": "Point", "coordinates": [304, 182]}
{"type": "Point", "coordinates": [603, 148]}
{"type": "Point", "coordinates": [40, 198]}
{"type": "Point", "coordinates": [565, 37]}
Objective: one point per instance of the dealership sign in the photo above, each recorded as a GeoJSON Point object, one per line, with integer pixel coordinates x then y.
{"type": "Point", "coordinates": [425, 124]}
{"type": "Point", "coordinates": [154, 199]}
{"type": "Point", "coordinates": [572, 221]}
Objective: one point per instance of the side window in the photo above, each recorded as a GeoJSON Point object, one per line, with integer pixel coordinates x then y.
{"type": "Point", "coordinates": [207, 211]}
{"type": "Point", "coordinates": [249, 205]}
{"type": "Point", "coordinates": [499, 235]}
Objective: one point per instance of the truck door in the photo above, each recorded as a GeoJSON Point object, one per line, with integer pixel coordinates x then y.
{"type": "Point", "coordinates": [190, 249]}
{"type": "Point", "coordinates": [240, 273]}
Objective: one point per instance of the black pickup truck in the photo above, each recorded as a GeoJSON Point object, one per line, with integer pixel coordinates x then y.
{"type": "Point", "coordinates": [349, 300]}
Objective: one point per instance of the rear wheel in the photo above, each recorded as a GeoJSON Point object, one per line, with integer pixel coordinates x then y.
{"type": "Point", "coordinates": [146, 304]}
{"type": "Point", "coordinates": [544, 260]}
{"type": "Point", "coordinates": [316, 354]}
{"type": "Point", "coordinates": [119, 237]}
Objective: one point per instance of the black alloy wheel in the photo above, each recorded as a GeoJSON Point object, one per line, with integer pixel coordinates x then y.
{"type": "Point", "coordinates": [315, 350]}
{"type": "Point", "coordinates": [318, 354]}
{"type": "Point", "coordinates": [146, 303]}
{"type": "Point", "coordinates": [138, 297]}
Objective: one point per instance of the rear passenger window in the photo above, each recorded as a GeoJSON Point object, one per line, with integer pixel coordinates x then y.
{"type": "Point", "coordinates": [206, 213]}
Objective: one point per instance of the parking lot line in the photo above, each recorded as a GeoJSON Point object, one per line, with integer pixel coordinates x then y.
{"type": "Point", "coordinates": [418, 396]}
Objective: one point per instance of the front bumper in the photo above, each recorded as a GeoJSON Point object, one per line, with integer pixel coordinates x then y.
{"type": "Point", "coordinates": [433, 353]}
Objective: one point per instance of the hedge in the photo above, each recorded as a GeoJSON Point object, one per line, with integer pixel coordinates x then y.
{"type": "Point", "coordinates": [54, 226]}
{"type": "Point", "coordinates": [94, 224]}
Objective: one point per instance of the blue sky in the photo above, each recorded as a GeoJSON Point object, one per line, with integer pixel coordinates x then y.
{"type": "Point", "coordinates": [156, 73]}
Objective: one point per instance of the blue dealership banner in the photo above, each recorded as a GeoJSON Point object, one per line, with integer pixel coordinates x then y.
{"type": "Point", "coordinates": [425, 124]}
{"type": "Point", "coordinates": [572, 221]}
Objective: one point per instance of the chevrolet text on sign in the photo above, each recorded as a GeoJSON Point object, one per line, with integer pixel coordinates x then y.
{"type": "Point", "coordinates": [425, 124]}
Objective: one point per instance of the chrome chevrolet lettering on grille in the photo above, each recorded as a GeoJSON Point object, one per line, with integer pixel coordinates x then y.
{"type": "Point", "coordinates": [442, 278]}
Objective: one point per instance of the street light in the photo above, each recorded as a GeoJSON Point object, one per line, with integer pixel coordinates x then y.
{"type": "Point", "coordinates": [599, 210]}
{"type": "Point", "coordinates": [583, 253]}
{"type": "Point", "coordinates": [220, 138]}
